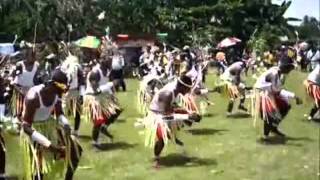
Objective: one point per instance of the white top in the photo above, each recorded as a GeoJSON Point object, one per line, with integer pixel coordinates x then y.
{"type": "Point", "coordinates": [25, 79]}
{"type": "Point", "coordinates": [227, 73]}
{"type": "Point", "coordinates": [146, 57]}
{"type": "Point", "coordinates": [313, 56]}
{"type": "Point", "coordinates": [117, 62]}
{"type": "Point", "coordinates": [195, 75]}
{"type": "Point", "coordinates": [275, 82]}
{"type": "Point", "coordinates": [73, 77]}
{"type": "Point", "coordinates": [103, 79]}
{"type": "Point", "coordinates": [314, 76]}
{"type": "Point", "coordinates": [192, 73]}
{"type": "Point", "coordinates": [155, 105]}
{"type": "Point", "coordinates": [43, 112]}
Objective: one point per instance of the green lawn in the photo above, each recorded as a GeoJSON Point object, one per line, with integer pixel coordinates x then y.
{"type": "Point", "coordinates": [217, 148]}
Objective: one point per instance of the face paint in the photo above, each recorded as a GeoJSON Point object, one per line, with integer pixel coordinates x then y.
{"type": "Point", "coordinates": [62, 87]}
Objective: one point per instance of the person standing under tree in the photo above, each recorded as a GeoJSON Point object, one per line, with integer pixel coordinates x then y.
{"type": "Point", "coordinates": [116, 74]}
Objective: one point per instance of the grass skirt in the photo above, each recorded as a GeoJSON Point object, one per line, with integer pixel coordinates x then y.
{"type": "Point", "coordinates": [228, 89]}
{"type": "Point", "coordinates": [144, 99]}
{"type": "Point", "coordinates": [16, 102]}
{"type": "Point", "coordinates": [71, 103]}
{"type": "Point", "coordinates": [188, 102]}
{"type": "Point", "coordinates": [313, 90]}
{"type": "Point", "coordinates": [2, 144]}
{"type": "Point", "coordinates": [37, 159]}
{"type": "Point", "coordinates": [269, 106]}
{"type": "Point", "coordinates": [99, 107]}
{"type": "Point", "coordinates": [156, 127]}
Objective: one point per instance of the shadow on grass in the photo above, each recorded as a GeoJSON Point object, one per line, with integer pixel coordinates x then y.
{"type": "Point", "coordinates": [115, 146]}
{"type": "Point", "coordinates": [276, 140]}
{"type": "Point", "coordinates": [209, 115]}
{"type": "Point", "coordinates": [317, 121]}
{"type": "Point", "coordinates": [11, 178]}
{"type": "Point", "coordinates": [175, 160]}
{"type": "Point", "coordinates": [85, 137]}
{"type": "Point", "coordinates": [239, 115]}
{"type": "Point", "coordinates": [206, 131]}
{"type": "Point", "coordinates": [120, 121]}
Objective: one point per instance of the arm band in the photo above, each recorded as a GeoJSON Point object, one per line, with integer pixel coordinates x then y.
{"type": "Point", "coordinates": [63, 120]}
{"type": "Point", "coordinates": [41, 139]}
{"type": "Point", "coordinates": [180, 117]}
{"type": "Point", "coordinates": [204, 91]}
{"type": "Point", "coordinates": [287, 94]}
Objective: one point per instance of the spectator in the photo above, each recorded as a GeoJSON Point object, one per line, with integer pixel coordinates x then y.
{"type": "Point", "coordinates": [221, 62]}
{"type": "Point", "coordinates": [313, 56]}
{"type": "Point", "coordinates": [302, 59]}
{"type": "Point", "coordinates": [116, 74]}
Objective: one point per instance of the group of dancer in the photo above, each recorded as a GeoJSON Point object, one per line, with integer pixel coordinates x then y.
{"type": "Point", "coordinates": [42, 108]}
{"type": "Point", "coordinates": [172, 95]}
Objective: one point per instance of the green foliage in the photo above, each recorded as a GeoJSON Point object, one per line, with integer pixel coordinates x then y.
{"type": "Point", "coordinates": [309, 29]}
{"type": "Point", "coordinates": [186, 21]}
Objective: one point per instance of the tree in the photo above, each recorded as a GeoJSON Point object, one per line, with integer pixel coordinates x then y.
{"type": "Point", "coordinates": [309, 29]}
{"type": "Point", "coordinates": [186, 21]}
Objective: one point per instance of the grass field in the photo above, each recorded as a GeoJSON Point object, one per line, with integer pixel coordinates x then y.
{"type": "Point", "coordinates": [217, 148]}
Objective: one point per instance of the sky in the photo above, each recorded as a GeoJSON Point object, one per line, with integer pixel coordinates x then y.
{"type": "Point", "coordinates": [300, 8]}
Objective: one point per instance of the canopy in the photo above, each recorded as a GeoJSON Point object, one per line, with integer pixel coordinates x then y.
{"type": "Point", "coordinates": [89, 42]}
{"type": "Point", "coordinates": [227, 42]}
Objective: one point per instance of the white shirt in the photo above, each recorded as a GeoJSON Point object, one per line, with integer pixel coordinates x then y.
{"type": "Point", "coordinates": [25, 79]}
{"type": "Point", "coordinates": [228, 76]}
{"type": "Point", "coordinates": [43, 112]}
{"type": "Point", "coordinates": [275, 82]}
{"type": "Point", "coordinates": [314, 76]}
{"type": "Point", "coordinates": [155, 105]}
{"type": "Point", "coordinates": [117, 62]}
{"type": "Point", "coordinates": [146, 57]}
{"type": "Point", "coordinates": [313, 56]}
{"type": "Point", "coordinates": [103, 78]}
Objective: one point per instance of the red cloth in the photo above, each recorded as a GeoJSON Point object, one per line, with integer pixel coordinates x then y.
{"type": "Point", "coordinates": [159, 133]}
{"type": "Point", "coordinates": [100, 120]}
{"type": "Point", "coordinates": [313, 90]}
{"type": "Point", "coordinates": [278, 106]}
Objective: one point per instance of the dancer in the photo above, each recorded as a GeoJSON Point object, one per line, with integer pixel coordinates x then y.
{"type": "Point", "coordinates": [312, 85]}
{"type": "Point", "coordinates": [26, 75]}
{"type": "Point", "coordinates": [100, 104]}
{"type": "Point", "coordinates": [74, 97]}
{"type": "Point", "coordinates": [199, 89]}
{"type": "Point", "coordinates": [234, 85]}
{"type": "Point", "coordinates": [272, 102]}
{"type": "Point", "coordinates": [149, 85]}
{"type": "Point", "coordinates": [41, 132]}
{"type": "Point", "coordinates": [165, 119]}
